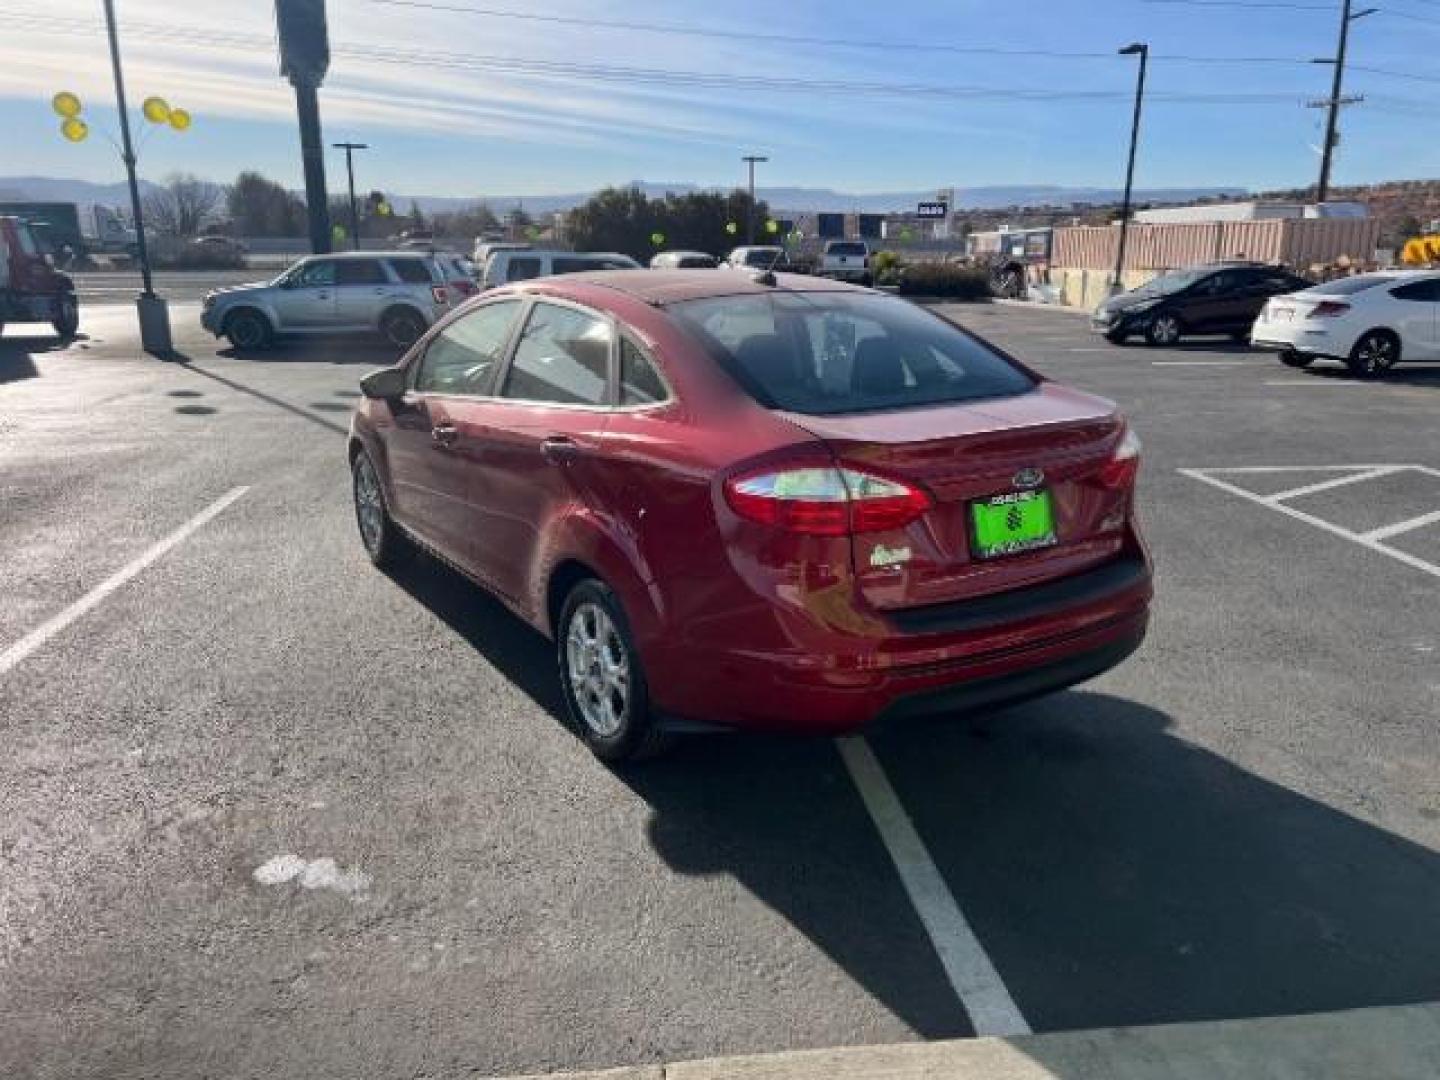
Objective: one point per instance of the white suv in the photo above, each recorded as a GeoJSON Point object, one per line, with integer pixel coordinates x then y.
{"type": "Point", "coordinates": [505, 266]}
{"type": "Point", "coordinates": [395, 294]}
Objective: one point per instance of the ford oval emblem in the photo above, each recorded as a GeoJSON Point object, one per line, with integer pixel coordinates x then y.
{"type": "Point", "coordinates": [1028, 478]}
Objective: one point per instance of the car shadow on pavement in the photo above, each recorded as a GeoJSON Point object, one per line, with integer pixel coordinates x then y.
{"type": "Point", "coordinates": [17, 354]}
{"type": "Point", "coordinates": [1118, 874]}
{"type": "Point", "coordinates": [1402, 375]}
{"type": "Point", "coordinates": [320, 351]}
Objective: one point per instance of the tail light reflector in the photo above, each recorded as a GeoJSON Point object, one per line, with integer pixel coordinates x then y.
{"type": "Point", "coordinates": [1124, 465]}
{"type": "Point", "coordinates": [825, 501]}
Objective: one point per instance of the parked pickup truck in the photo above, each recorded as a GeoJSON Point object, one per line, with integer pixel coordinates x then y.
{"type": "Point", "coordinates": [846, 260]}
{"type": "Point", "coordinates": [31, 289]}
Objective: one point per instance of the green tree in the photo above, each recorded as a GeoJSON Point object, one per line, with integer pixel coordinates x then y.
{"type": "Point", "coordinates": [258, 206]}
{"type": "Point", "coordinates": [624, 220]}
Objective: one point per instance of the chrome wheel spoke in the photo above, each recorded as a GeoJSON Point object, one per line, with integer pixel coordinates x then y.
{"type": "Point", "coordinates": [598, 669]}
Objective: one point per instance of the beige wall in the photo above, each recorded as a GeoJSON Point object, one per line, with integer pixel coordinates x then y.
{"type": "Point", "coordinates": [1087, 288]}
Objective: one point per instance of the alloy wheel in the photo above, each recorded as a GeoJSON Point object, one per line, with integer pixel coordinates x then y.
{"type": "Point", "coordinates": [1375, 354]}
{"type": "Point", "coordinates": [1166, 330]}
{"type": "Point", "coordinates": [598, 665]}
{"type": "Point", "coordinates": [369, 507]}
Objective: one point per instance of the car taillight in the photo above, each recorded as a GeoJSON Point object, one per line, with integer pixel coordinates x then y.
{"type": "Point", "coordinates": [440, 293]}
{"type": "Point", "coordinates": [465, 288]}
{"type": "Point", "coordinates": [825, 501]}
{"type": "Point", "coordinates": [1329, 309]}
{"type": "Point", "coordinates": [1124, 465]}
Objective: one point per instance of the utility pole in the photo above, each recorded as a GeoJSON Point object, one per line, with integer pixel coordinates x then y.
{"type": "Point", "coordinates": [1142, 50]}
{"type": "Point", "coordinates": [152, 310]}
{"type": "Point", "coordinates": [1335, 101]}
{"type": "Point", "coordinates": [304, 60]}
{"type": "Point", "coordinates": [751, 160]}
{"type": "Point", "coordinates": [350, 148]}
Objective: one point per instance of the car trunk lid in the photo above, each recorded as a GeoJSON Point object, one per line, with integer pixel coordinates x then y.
{"type": "Point", "coordinates": [1049, 443]}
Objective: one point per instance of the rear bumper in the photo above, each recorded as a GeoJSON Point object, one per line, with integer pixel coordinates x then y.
{"type": "Point", "coordinates": [974, 656]}
{"type": "Point", "coordinates": [1297, 337]}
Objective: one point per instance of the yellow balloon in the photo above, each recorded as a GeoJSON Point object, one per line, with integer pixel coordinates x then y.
{"type": "Point", "coordinates": [66, 104]}
{"type": "Point", "coordinates": [179, 119]}
{"type": "Point", "coordinates": [75, 129]}
{"type": "Point", "coordinates": [155, 110]}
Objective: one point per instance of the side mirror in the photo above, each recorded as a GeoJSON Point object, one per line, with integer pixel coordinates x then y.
{"type": "Point", "coordinates": [387, 384]}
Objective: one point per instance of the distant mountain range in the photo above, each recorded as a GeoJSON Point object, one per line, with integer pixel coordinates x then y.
{"type": "Point", "coordinates": [61, 189]}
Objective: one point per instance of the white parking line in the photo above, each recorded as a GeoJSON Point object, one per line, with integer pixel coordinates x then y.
{"type": "Point", "coordinates": [1339, 481]}
{"type": "Point", "coordinates": [58, 622]}
{"type": "Point", "coordinates": [1366, 540]}
{"type": "Point", "coordinates": [1314, 382]}
{"type": "Point", "coordinates": [976, 982]}
{"type": "Point", "coordinates": [1201, 363]}
{"type": "Point", "coordinates": [1387, 531]}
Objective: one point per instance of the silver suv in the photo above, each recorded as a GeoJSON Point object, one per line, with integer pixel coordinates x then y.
{"type": "Point", "coordinates": [395, 294]}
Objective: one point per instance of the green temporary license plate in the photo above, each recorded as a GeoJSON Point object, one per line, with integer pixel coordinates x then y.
{"type": "Point", "coordinates": [1008, 524]}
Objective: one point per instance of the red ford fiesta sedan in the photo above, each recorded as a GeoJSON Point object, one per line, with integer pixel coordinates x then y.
{"type": "Point", "coordinates": [765, 502]}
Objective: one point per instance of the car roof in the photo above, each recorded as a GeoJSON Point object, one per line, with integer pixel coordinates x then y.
{"type": "Point", "coordinates": [661, 287]}
{"type": "Point", "coordinates": [347, 256]}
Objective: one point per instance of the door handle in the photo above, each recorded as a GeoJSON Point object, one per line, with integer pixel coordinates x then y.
{"type": "Point", "coordinates": [559, 450]}
{"type": "Point", "coordinates": [443, 435]}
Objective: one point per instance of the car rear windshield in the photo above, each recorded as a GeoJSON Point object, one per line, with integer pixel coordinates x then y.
{"type": "Point", "coordinates": [845, 249]}
{"type": "Point", "coordinates": [761, 257]}
{"type": "Point", "coordinates": [1351, 285]}
{"type": "Point", "coordinates": [828, 353]}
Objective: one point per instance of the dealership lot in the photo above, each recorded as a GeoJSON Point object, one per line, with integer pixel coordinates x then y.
{"type": "Point", "coordinates": [266, 811]}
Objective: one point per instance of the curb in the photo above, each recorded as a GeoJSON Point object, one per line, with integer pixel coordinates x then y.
{"type": "Point", "coordinates": [1032, 305]}
{"type": "Point", "coordinates": [1387, 1043]}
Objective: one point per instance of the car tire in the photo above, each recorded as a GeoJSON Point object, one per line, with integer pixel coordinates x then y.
{"type": "Point", "coordinates": [1117, 337]}
{"type": "Point", "coordinates": [1164, 330]}
{"type": "Point", "coordinates": [1374, 354]}
{"type": "Point", "coordinates": [248, 330]}
{"type": "Point", "coordinates": [1241, 337]}
{"type": "Point", "coordinates": [382, 539]}
{"type": "Point", "coordinates": [1291, 358]}
{"type": "Point", "coordinates": [67, 320]}
{"type": "Point", "coordinates": [868, 281]}
{"type": "Point", "coordinates": [606, 695]}
{"type": "Point", "coordinates": [402, 327]}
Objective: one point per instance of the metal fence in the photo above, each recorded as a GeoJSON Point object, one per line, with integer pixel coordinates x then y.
{"type": "Point", "coordinates": [1298, 242]}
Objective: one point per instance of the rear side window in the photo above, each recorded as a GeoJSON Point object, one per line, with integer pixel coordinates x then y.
{"type": "Point", "coordinates": [359, 272]}
{"type": "Point", "coordinates": [563, 357]}
{"type": "Point", "coordinates": [640, 383]}
{"type": "Point", "coordinates": [696, 262]}
{"type": "Point", "coordinates": [1426, 291]}
{"type": "Point", "coordinates": [411, 271]}
{"type": "Point", "coordinates": [1351, 285]}
{"type": "Point", "coordinates": [827, 353]}
{"type": "Point", "coordinates": [845, 249]}
{"type": "Point", "coordinates": [523, 269]}
{"type": "Point", "coordinates": [460, 358]}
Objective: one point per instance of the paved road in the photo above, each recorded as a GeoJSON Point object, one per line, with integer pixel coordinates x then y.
{"type": "Point", "coordinates": [102, 287]}
{"type": "Point", "coordinates": [1240, 821]}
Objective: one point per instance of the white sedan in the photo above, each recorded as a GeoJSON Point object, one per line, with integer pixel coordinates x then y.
{"type": "Point", "coordinates": [1370, 322]}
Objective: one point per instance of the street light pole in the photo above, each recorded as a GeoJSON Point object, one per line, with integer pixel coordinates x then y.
{"type": "Point", "coordinates": [154, 315]}
{"type": "Point", "coordinates": [350, 148]}
{"type": "Point", "coordinates": [751, 160]}
{"type": "Point", "coordinates": [1142, 50]}
{"type": "Point", "coordinates": [1332, 120]}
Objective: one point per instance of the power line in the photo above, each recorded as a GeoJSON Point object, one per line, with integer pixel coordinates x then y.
{"type": "Point", "coordinates": [1244, 4]}
{"type": "Point", "coordinates": [573, 70]}
{"type": "Point", "coordinates": [752, 36]}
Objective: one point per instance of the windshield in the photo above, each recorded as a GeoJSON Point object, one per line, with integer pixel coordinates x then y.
{"type": "Point", "coordinates": [1173, 282]}
{"type": "Point", "coordinates": [828, 353]}
{"type": "Point", "coordinates": [761, 257]}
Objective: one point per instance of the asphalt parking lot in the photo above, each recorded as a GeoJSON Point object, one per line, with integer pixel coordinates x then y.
{"type": "Point", "coordinates": [267, 811]}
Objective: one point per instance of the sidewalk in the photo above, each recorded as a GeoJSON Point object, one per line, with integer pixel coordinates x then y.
{"type": "Point", "coordinates": [1390, 1043]}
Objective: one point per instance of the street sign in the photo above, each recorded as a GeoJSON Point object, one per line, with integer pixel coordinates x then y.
{"type": "Point", "coordinates": [931, 210]}
{"type": "Point", "coordinates": [304, 40]}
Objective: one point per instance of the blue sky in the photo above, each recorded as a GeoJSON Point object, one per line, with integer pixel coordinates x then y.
{"type": "Point", "coordinates": [443, 122]}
